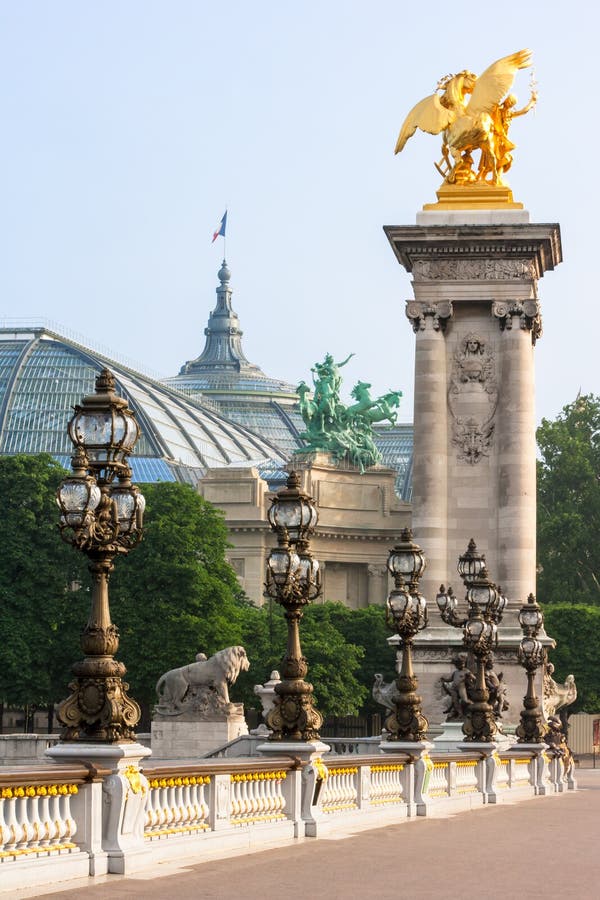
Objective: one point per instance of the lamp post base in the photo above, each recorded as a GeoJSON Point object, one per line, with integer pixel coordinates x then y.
{"type": "Point", "coordinates": [116, 836]}
{"type": "Point", "coordinates": [418, 774]}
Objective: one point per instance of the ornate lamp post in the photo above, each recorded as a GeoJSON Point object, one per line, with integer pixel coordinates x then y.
{"type": "Point", "coordinates": [293, 580]}
{"type": "Point", "coordinates": [531, 654]}
{"type": "Point", "coordinates": [486, 605]}
{"type": "Point", "coordinates": [406, 614]}
{"type": "Point", "coordinates": [101, 515]}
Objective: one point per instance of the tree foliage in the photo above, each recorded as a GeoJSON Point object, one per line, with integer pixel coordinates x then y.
{"type": "Point", "coordinates": [569, 504]}
{"type": "Point", "coordinates": [175, 594]}
{"type": "Point", "coordinates": [576, 630]}
{"type": "Point", "coordinates": [171, 597]}
{"type": "Point", "coordinates": [41, 601]}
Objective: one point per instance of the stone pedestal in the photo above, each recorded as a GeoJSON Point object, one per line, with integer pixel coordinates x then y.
{"type": "Point", "coordinates": [419, 772]}
{"type": "Point", "coordinates": [173, 738]}
{"type": "Point", "coordinates": [113, 835]}
{"type": "Point", "coordinates": [314, 775]}
{"type": "Point", "coordinates": [476, 318]}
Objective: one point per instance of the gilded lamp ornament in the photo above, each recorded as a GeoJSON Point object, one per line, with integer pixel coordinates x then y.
{"type": "Point", "coordinates": [293, 580]}
{"type": "Point", "coordinates": [101, 515]}
{"type": "Point", "coordinates": [531, 654]}
{"type": "Point", "coordinates": [486, 604]}
{"type": "Point", "coordinates": [473, 114]}
{"type": "Point", "coordinates": [406, 614]}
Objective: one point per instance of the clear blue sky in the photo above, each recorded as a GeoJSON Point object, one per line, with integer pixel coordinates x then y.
{"type": "Point", "coordinates": [127, 127]}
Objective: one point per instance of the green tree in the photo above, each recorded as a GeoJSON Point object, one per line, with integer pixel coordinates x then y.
{"type": "Point", "coordinates": [366, 629]}
{"type": "Point", "coordinates": [569, 504]}
{"type": "Point", "coordinates": [41, 598]}
{"type": "Point", "coordinates": [175, 594]}
{"type": "Point", "coordinates": [576, 630]}
{"type": "Point", "coordinates": [334, 662]}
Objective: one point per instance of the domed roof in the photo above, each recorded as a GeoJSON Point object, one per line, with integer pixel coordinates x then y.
{"type": "Point", "coordinates": [222, 369]}
{"type": "Point", "coordinates": [269, 406]}
{"type": "Point", "coordinates": [240, 389]}
{"type": "Point", "coordinates": [44, 374]}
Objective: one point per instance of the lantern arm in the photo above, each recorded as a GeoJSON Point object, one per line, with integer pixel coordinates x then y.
{"type": "Point", "coordinates": [447, 602]}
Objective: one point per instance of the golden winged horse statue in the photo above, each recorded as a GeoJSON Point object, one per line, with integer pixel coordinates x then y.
{"type": "Point", "coordinates": [472, 114]}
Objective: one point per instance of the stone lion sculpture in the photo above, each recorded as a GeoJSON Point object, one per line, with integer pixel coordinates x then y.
{"type": "Point", "coordinates": [204, 680]}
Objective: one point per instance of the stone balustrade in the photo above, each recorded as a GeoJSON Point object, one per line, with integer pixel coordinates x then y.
{"type": "Point", "coordinates": [54, 819]}
{"type": "Point", "coordinates": [387, 783]}
{"type": "Point", "coordinates": [39, 823]}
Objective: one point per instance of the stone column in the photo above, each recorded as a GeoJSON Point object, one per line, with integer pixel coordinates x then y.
{"type": "Point", "coordinates": [516, 543]}
{"type": "Point", "coordinates": [377, 589]}
{"type": "Point", "coordinates": [430, 471]}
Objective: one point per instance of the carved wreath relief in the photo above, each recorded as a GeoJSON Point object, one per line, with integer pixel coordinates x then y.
{"type": "Point", "coordinates": [473, 398]}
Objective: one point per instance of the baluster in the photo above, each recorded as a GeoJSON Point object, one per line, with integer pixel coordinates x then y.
{"type": "Point", "coordinates": [65, 810]}
{"type": "Point", "coordinates": [203, 799]}
{"type": "Point", "coordinates": [4, 829]}
{"type": "Point", "coordinates": [60, 826]}
{"type": "Point", "coordinates": [10, 817]}
{"type": "Point", "coordinates": [24, 829]}
{"type": "Point", "coordinates": [33, 816]}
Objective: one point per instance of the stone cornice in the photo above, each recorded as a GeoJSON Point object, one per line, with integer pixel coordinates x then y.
{"type": "Point", "coordinates": [381, 537]}
{"type": "Point", "coordinates": [540, 243]}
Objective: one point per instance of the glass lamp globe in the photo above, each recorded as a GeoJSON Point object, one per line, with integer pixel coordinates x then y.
{"type": "Point", "coordinates": [471, 563]}
{"type": "Point", "coordinates": [445, 599]}
{"type": "Point", "coordinates": [104, 425]}
{"type": "Point", "coordinates": [293, 511]}
{"type": "Point", "coordinates": [399, 603]}
{"type": "Point", "coordinates": [530, 616]}
{"type": "Point", "coordinates": [406, 560]}
{"type": "Point", "coordinates": [309, 576]}
{"type": "Point", "coordinates": [78, 494]}
{"type": "Point", "coordinates": [282, 563]}
{"type": "Point", "coordinates": [130, 505]}
{"type": "Point", "coordinates": [482, 594]}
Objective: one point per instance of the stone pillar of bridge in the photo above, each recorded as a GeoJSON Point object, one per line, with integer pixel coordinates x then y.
{"type": "Point", "coordinates": [476, 316]}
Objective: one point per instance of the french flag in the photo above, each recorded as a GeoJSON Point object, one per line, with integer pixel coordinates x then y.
{"type": "Point", "coordinates": [221, 229]}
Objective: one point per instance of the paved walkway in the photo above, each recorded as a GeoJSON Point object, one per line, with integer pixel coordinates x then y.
{"type": "Point", "coordinates": [545, 849]}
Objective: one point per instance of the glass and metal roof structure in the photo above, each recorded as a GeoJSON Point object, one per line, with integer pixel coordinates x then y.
{"type": "Point", "coordinates": [44, 374]}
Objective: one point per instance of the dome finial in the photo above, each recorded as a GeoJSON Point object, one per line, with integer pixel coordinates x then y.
{"type": "Point", "coordinates": [224, 274]}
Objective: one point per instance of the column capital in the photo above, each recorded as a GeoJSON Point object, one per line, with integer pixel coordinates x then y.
{"type": "Point", "coordinates": [420, 313]}
{"type": "Point", "coordinates": [527, 311]}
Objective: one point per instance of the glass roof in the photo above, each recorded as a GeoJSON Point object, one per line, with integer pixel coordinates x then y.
{"type": "Point", "coordinates": [43, 375]}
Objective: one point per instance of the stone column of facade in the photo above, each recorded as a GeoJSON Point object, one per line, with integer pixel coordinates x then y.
{"type": "Point", "coordinates": [474, 425]}
{"type": "Point", "coordinates": [377, 584]}
{"type": "Point", "coordinates": [430, 471]}
{"type": "Point", "coordinates": [520, 326]}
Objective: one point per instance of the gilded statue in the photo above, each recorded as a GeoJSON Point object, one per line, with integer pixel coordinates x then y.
{"type": "Point", "coordinates": [472, 114]}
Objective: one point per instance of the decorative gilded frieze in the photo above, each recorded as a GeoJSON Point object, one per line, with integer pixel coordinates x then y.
{"type": "Point", "coordinates": [473, 398]}
{"type": "Point", "coordinates": [419, 313]}
{"type": "Point", "coordinates": [474, 270]}
{"type": "Point", "coordinates": [528, 312]}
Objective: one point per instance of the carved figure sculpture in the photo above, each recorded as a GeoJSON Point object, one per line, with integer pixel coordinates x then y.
{"type": "Point", "coordinates": [472, 398]}
{"type": "Point", "coordinates": [556, 739]}
{"type": "Point", "coordinates": [201, 686]}
{"type": "Point", "coordinates": [385, 693]}
{"type": "Point", "coordinates": [472, 114]}
{"type": "Point", "coordinates": [456, 688]}
{"type": "Point", "coordinates": [557, 696]}
{"type": "Point", "coordinates": [339, 430]}
{"type": "Point", "coordinates": [494, 682]}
